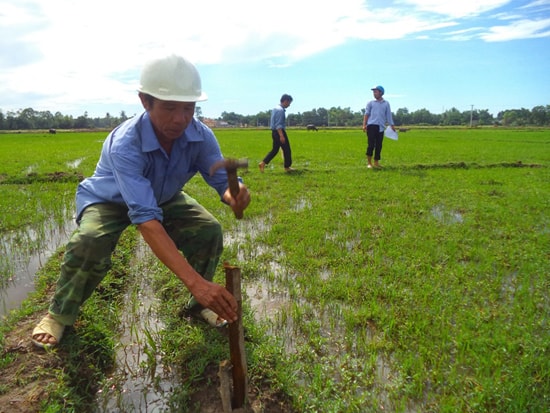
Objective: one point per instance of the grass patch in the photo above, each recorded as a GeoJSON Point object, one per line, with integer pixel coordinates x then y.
{"type": "Point", "coordinates": [65, 379]}
{"type": "Point", "coordinates": [422, 286]}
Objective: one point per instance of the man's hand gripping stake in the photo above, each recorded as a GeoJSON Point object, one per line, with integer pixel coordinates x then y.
{"type": "Point", "coordinates": [231, 166]}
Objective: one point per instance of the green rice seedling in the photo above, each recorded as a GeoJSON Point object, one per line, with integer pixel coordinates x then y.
{"type": "Point", "coordinates": [29, 205]}
{"type": "Point", "coordinates": [422, 286]}
{"type": "Point", "coordinates": [44, 154]}
{"type": "Point", "coordinates": [426, 247]}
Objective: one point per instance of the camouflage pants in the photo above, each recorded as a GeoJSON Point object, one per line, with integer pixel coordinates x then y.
{"type": "Point", "coordinates": [196, 233]}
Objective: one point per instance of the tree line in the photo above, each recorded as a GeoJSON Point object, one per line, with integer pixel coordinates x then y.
{"type": "Point", "coordinates": [345, 117]}
{"type": "Point", "coordinates": [29, 119]}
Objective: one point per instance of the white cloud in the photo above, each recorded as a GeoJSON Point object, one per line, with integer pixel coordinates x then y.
{"type": "Point", "coordinates": [68, 49]}
{"type": "Point", "coordinates": [536, 3]}
{"type": "Point", "coordinates": [12, 15]}
{"type": "Point", "coordinates": [112, 36]}
{"type": "Point", "coordinates": [521, 29]}
{"type": "Point", "coordinates": [455, 9]}
{"type": "Point", "coordinates": [465, 34]}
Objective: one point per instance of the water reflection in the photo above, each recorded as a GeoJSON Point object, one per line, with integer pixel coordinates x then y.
{"type": "Point", "coordinates": [22, 254]}
{"type": "Point", "coordinates": [140, 381]}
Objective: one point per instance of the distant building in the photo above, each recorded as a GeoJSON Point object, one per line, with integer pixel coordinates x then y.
{"type": "Point", "coordinates": [215, 123]}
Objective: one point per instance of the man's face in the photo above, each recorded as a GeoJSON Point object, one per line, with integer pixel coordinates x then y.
{"type": "Point", "coordinates": [169, 118]}
{"type": "Point", "coordinates": [285, 104]}
{"type": "Point", "coordinates": [377, 94]}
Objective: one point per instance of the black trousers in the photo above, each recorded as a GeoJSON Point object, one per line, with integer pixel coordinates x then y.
{"type": "Point", "coordinates": [374, 141]}
{"type": "Point", "coordinates": [287, 153]}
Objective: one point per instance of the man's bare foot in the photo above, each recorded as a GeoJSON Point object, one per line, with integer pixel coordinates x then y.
{"type": "Point", "coordinates": [261, 165]}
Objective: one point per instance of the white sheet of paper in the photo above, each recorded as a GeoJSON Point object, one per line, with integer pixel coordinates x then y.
{"type": "Point", "coordinates": [390, 133]}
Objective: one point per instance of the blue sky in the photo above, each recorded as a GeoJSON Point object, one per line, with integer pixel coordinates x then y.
{"type": "Point", "coordinates": [73, 56]}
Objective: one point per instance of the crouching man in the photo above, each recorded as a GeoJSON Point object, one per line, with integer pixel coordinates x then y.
{"type": "Point", "coordinates": [144, 164]}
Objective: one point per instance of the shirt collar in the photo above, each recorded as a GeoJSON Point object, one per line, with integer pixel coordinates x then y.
{"type": "Point", "coordinates": [149, 141]}
{"type": "Point", "coordinates": [149, 138]}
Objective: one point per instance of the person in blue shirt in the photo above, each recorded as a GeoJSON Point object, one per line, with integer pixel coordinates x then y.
{"type": "Point", "coordinates": [279, 135]}
{"type": "Point", "coordinates": [377, 116]}
{"type": "Point", "coordinates": [144, 164]}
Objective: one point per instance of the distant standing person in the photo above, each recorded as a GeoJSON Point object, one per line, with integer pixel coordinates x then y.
{"type": "Point", "coordinates": [279, 136]}
{"type": "Point", "coordinates": [377, 116]}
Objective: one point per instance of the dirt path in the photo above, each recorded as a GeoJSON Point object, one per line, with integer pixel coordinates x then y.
{"type": "Point", "coordinates": [22, 388]}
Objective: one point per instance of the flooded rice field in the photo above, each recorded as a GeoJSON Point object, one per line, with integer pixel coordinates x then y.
{"type": "Point", "coordinates": [140, 381]}
{"type": "Point", "coordinates": [22, 254]}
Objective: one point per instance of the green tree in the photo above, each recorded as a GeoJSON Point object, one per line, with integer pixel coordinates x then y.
{"type": "Point", "coordinates": [485, 118]}
{"type": "Point", "coordinates": [63, 121]}
{"type": "Point", "coordinates": [232, 118]}
{"type": "Point", "coordinates": [26, 119]}
{"type": "Point", "coordinates": [44, 120]}
{"type": "Point", "coordinates": [402, 117]}
{"type": "Point", "coordinates": [294, 119]}
{"type": "Point", "coordinates": [83, 122]}
{"type": "Point", "coordinates": [540, 115]}
{"type": "Point", "coordinates": [335, 116]}
{"type": "Point", "coordinates": [311, 117]}
{"type": "Point", "coordinates": [198, 112]}
{"type": "Point", "coordinates": [123, 117]}
{"type": "Point", "coordinates": [11, 121]}
{"type": "Point", "coordinates": [263, 118]}
{"type": "Point", "coordinates": [423, 116]}
{"type": "Point", "coordinates": [340, 116]}
{"type": "Point", "coordinates": [452, 117]}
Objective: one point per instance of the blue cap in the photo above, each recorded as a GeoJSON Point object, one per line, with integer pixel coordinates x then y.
{"type": "Point", "coordinates": [380, 88]}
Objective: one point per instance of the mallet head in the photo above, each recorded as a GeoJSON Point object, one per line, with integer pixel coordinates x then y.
{"type": "Point", "coordinates": [229, 164]}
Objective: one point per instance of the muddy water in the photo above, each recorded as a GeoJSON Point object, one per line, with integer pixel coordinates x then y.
{"type": "Point", "coordinates": [22, 254]}
{"type": "Point", "coordinates": [272, 304]}
{"type": "Point", "coordinates": [140, 382]}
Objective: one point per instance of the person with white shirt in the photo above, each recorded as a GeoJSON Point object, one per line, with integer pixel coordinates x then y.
{"type": "Point", "coordinates": [377, 116]}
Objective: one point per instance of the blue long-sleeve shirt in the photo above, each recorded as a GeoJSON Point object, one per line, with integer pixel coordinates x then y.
{"type": "Point", "coordinates": [379, 113]}
{"type": "Point", "coordinates": [134, 170]}
{"type": "Point", "coordinates": [278, 118]}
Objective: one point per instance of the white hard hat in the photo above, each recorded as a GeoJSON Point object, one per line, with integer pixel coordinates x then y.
{"type": "Point", "coordinates": [172, 78]}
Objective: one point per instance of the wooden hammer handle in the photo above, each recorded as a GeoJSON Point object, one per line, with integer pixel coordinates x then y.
{"type": "Point", "coordinates": [234, 189]}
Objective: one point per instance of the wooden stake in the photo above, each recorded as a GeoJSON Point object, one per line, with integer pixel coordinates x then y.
{"type": "Point", "coordinates": [236, 338]}
{"type": "Point", "coordinates": [225, 385]}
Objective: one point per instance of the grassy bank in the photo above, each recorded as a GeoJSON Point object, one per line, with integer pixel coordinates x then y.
{"type": "Point", "coordinates": [419, 287]}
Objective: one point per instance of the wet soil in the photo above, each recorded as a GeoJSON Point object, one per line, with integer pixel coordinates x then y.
{"type": "Point", "coordinates": [24, 384]}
